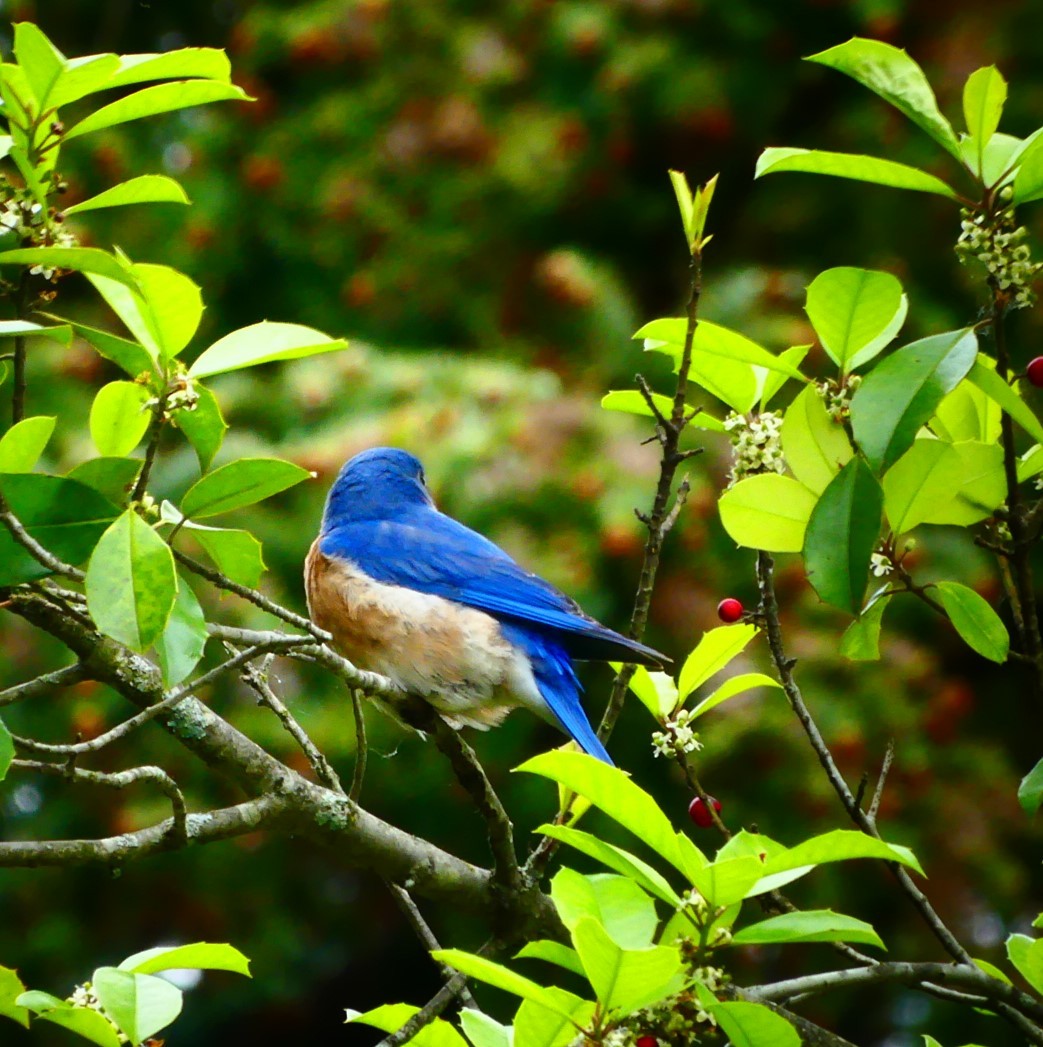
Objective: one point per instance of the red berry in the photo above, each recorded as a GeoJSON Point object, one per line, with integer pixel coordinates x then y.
{"type": "Point", "coordinates": [1034, 372]}
{"type": "Point", "coordinates": [730, 610]}
{"type": "Point", "coordinates": [646, 1041]}
{"type": "Point", "coordinates": [700, 814]}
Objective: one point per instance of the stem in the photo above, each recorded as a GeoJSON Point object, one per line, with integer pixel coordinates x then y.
{"type": "Point", "coordinates": [21, 385]}
{"type": "Point", "coordinates": [155, 431]}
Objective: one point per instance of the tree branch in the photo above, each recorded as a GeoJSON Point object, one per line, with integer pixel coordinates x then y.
{"type": "Point", "coordinates": [43, 684]}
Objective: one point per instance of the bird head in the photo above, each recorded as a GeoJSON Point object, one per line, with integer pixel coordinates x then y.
{"type": "Point", "coordinates": [375, 485]}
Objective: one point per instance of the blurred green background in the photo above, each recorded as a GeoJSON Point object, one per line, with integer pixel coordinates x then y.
{"type": "Point", "coordinates": [476, 195]}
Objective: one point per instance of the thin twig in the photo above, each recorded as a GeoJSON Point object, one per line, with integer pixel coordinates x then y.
{"type": "Point", "coordinates": [43, 684]}
{"type": "Point", "coordinates": [427, 1014]}
{"type": "Point", "coordinates": [155, 433]}
{"type": "Point", "coordinates": [34, 548]}
{"type": "Point", "coordinates": [361, 746]}
{"type": "Point", "coordinates": [885, 768]}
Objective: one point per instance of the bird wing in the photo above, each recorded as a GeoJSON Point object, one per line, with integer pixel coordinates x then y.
{"type": "Point", "coordinates": [432, 553]}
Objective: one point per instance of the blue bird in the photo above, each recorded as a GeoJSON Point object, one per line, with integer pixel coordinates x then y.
{"type": "Point", "coordinates": [413, 594]}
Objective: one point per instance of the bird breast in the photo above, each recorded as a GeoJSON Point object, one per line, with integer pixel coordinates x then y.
{"type": "Point", "coordinates": [454, 656]}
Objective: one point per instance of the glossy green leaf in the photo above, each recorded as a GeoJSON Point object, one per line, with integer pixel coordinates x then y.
{"type": "Point", "coordinates": [667, 335]}
{"type": "Point", "coordinates": [768, 511]}
{"type": "Point", "coordinates": [975, 620]}
{"type": "Point", "coordinates": [501, 977]}
{"type": "Point", "coordinates": [855, 312]}
{"type": "Point", "coordinates": [127, 302]}
{"type": "Point", "coordinates": [625, 911]}
{"type": "Point", "coordinates": [1030, 792]}
{"type": "Point", "coordinates": [980, 489]}
{"type": "Point", "coordinates": [539, 1026]}
{"type": "Point", "coordinates": [626, 979]}
{"type": "Point", "coordinates": [840, 845]}
{"type": "Point", "coordinates": [83, 76]}
{"type": "Point", "coordinates": [772, 381]}
{"type": "Point", "coordinates": [609, 789]}
{"type": "Point", "coordinates": [983, 96]}
{"type": "Point", "coordinates": [197, 956]}
{"type": "Point", "coordinates": [902, 393]}
{"type": "Point", "coordinates": [714, 651]}
{"type": "Point", "coordinates": [926, 475]}
{"type": "Point", "coordinates": [64, 516]}
{"type": "Point", "coordinates": [139, 1004]}
{"type": "Point", "coordinates": [112, 477]}
{"type": "Point", "coordinates": [754, 1025]}
{"type": "Point", "coordinates": [1026, 954]}
{"type": "Point", "coordinates": [656, 690]}
{"type": "Point", "coordinates": [390, 1017]}
{"type": "Point", "coordinates": [39, 59]}
{"type": "Point", "coordinates": [90, 260]}
{"type": "Point", "coordinates": [22, 444]}
{"type": "Point", "coordinates": [733, 382]}
{"type": "Point", "coordinates": [6, 756]}
{"type": "Point", "coordinates": [132, 357]}
{"type": "Point", "coordinates": [861, 639]}
{"type": "Point", "coordinates": [552, 952]}
{"type": "Point", "coordinates": [615, 858]}
{"type": "Point", "coordinates": [967, 413]}
{"type": "Point", "coordinates": [174, 303]}
{"type": "Point", "coordinates": [484, 1031]}
{"type": "Point", "coordinates": [240, 483]}
{"type": "Point", "coordinates": [630, 401]}
{"type": "Point", "coordinates": [894, 76]}
{"type": "Point", "coordinates": [263, 343]}
{"type": "Point", "coordinates": [727, 881]}
{"type": "Point", "coordinates": [119, 418]}
{"type": "Point", "coordinates": [206, 63]}
{"type": "Point", "coordinates": [11, 988]}
{"type": "Point", "coordinates": [131, 583]}
{"type": "Point", "coordinates": [821, 925]}
{"type": "Point", "coordinates": [203, 424]}
{"type": "Point", "coordinates": [145, 189]}
{"type": "Point", "coordinates": [816, 446]}
{"type": "Point", "coordinates": [163, 98]}
{"type": "Point", "coordinates": [180, 646]}
{"type": "Point", "coordinates": [855, 166]}
{"type": "Point", "coordinates": [1030, 464]}
{"type": "Point", "coordinates": [1028, 182]}
{"type": "Point", "coordinates": [990, 383]}
{"type": "Point", "coordinates": [237, 554]}
{"type": "Point", "coordinates": [84, 1021]}
{"type": "Point", "coordinates": [61, 332]}
{"type": "Point", "coordinates": [736, 685]}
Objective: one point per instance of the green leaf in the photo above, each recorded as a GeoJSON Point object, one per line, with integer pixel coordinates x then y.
{"type": "Point", "coordinates": [145, 189]}
{"type": "Point", "coordinates": [390, 1017]}
{"type": "Point", "coordinates": [894, 76]}
{"type": "Point", "coordinates": [174, 306]}
{"type": "Point", "coordinates": [22, 444]}
{"type": "Point", "coordinates": [90, 260]}
{"type": "Point", "coordinates": [484, 1031]}
{"type": "Point", "coordinates": [198, 956]}
{"type": "Point", "coordinates": [754, 1025]}
{"type": "Point", "coordinates": [236, 553]}
{"type": "Point", "coordinates": [990, 383]}
{"type": "Point", "coordinates": [61, 333]}
{"type": "Point", "coordinates": [838, 845]}
{"type": "Point", "coordinates": [614, 793]}
{"type": "Point", "coordinates": [967, 413]}
{"type": "Point", "coordinates": [773, 381]}
{"type": "Point", "coordinates": [539, 1026]}
{"type": "Point", "coordinates": [1030, 464]}
{"type": "Point", "coordinates": [713, 652]}
{"type": "Point", "coordinates": [112, 477]}
{"type": "Point", "coordinates": [1028, 182]}
{"type": "Point", "coordinates": [240, 483]}
{"type": "Point", "coordinates": [39, 59]}
{"type": "Point", "coordinates": [975, 620]}
{"type": "Point", "coordinates": [163, 98]}
{"type": "Point", "coordinates": [814, 444]}
{"type": "Point", "coordinates": [203, 424]}
{"type": "Point", "coordinates": [139, 1004]}
{"type": "Point", "coordinates": [84, 1021]}
{"type": "Point", "coordinates": [6, 756]}
{"type": "Point", "coordinates": [11, 988]}
{"type": "Point", "coordinates": [734, 686]}
{"type": "Point", "coordinates": [552, 952]}
{"type": "Point", "coordinates": [656, 690]}
{"type": "Point", "coordinates": [181, 644]}
{"type": "Point", "coordinates": [626, 979]}
{"type": "Point", "coordinates": [861, 639]}
{"type": "Point", "coordinates": [119, 418]}
{"type": "Point", "coordinates": [684, 202]}
{"type": "Point", "coordinates": [725, 882]}
{"type": "Point", "coordinates": [768, 511]}
{"type": "Point", "coordinates": [902, 393]}
{"type": "Point", "coordinates": [855, 312]}
{"type": "Point", "coordinates": [622, 908]}
{"type": "Point", "coordinates": [927, 474]}
{"type": "Point", "coordinates": [206, 63]}
{"type": "Point", "coordinates": [263, 343]}
{"type": "Point", "coordinates": [127, 302]}
{"type": "Point", "coordinates": [667, 335]}
{"type": "Point", "coordinates": [630, 401]}
{"type": "Point", "coordinates": [83, 76]}
{"type": "Point", "coordinates": [616, 858]}
{"type": "Point", "coordinates": [808, 926]}
{"type": "Point", "coordinates": [983, 96]}
{"type": "Point", "coordinates": [131, 356]}
{"type": "Point", "coordinates": [1030, 793]}
{"type": "Point", "coordinates": [1027, 956]}
{"type": "Point", "coordinates": [131, 583]}
{"type": "Point", "coordinates": [64, 516]}
{"type": "Point", "coordinates": [499, 976]}
{"type": "Point", "coordinates": [855, 166]}
{"type": "Point", "coordinates": [981, 489]}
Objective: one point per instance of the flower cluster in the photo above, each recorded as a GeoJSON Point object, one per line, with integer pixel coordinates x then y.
{"type": "Point", "coordinates": [880, 564]}
{"type": "Point", "coordinates": [758, 444]}
{"type": "Point", "coordinates": [24, 221]}
{"type": "Point", "coordinates": [1000, 247]}
{"type": "Point", "coordinates": [837, 396]}
{"type": "Point", "coordinates": [677, 737]}
{"type": "Point", "coordinates": [84, 996]}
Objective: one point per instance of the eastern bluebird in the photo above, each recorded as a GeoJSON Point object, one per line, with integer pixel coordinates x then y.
{"type": "Point", "coordinates": [411, 593]}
